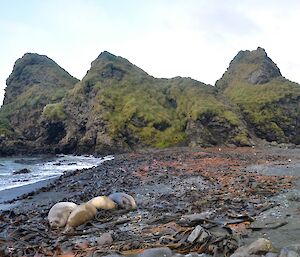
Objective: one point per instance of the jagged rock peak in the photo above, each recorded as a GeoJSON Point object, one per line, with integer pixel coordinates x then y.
{"type": "Point", "coordinates": [105, 55]}
{"type": "Point", "coordinates": [108, 66]}
{"type": "Point", "coordinates": [35, 69]}
{"type": "Point", "coordinates": [264, 71]}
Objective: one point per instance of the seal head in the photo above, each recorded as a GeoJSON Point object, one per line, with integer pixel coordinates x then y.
{"type": "Point", "coordinates": [123, 200]}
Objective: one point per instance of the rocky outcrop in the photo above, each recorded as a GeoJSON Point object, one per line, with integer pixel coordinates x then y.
{"type": "Point", "coordinates": [268, 101]}
{"type": "Point", "coordinates": [35, 81]}
{"type": "Point", "coordinates": [118, 107]}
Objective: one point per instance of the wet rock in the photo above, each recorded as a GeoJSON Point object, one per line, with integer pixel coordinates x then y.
{"type": "Point", "coordinates": [105, 239]}
{"type": "Point", "coordinates": [259, 247]}
{"type": "Point", "coordinates": [21, 171]}
{"type": "Point", "coordinates": [288, 253]}
{"type": "Point", "coordinates": [283, 252]}
{"type": "Point", "coordinates": [294, 247]}
{"type": "Point", "coordinates": [292, 254]}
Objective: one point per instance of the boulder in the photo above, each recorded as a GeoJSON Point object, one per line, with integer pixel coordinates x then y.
{"type": "Point", "coordinates": [21, 171]}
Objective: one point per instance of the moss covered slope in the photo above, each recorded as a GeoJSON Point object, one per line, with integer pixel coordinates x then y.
{"type": "Point", "coordinates": [35, 81]}
{"type": "Point", "coordinates": [119, 106]}
{"type": "Point", "coordinates": [268, 101]}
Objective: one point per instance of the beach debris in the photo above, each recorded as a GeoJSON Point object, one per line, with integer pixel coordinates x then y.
{"type": "Point", "coordinates": [123, 200]}
{"type": "Point", "coordinates": [195, 218]}
{"type": "Point", "coordinates": [179, 192]}
{"type": "Point", "coordinates": [59, 214]}
{"type": "Point", "coordinates": [21, 171]}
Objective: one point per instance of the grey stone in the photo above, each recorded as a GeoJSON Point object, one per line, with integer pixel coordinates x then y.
{"type": "Point", "coordinates": [195, 234]}
{"type": "Point", "coordinates": [283, 252]}
{"type": "Point", "coordinates": [292, 254]}
{"type": "Point", "coordinates": [294, 247]}
{"type": "Point", "coordinates": [271, 255]}
{"type": "Point", "coordinates": [155, 252]}
{"type": "Point", "coordinates": [104, 239]}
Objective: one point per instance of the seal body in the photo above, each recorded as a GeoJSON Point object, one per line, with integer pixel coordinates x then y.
{"type": "Point", "coordinates": [59, 214]}
{"type": "Point", "coordinates": [103, 202]}
{"type": "Point", "coordinates": [81, 214]}
{"type": "Point", "coordinates": [123, 200]}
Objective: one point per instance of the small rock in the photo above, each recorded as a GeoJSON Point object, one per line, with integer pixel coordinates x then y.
{"type": "Point", "coordinates": [204, 235]}
{"type": "Point", "coordinates": [283, 252]}
{"type": "Point", "coordinates": [260, 246]}
{"type": "Point", "coordinates": [294, 247]}
{"type": "Point", "coordinates": [21, 171]}
{"type": "Point", "coordinates": [271, 255]}
{"type": "Point", "coordinates": [195, 234]}
{"type": "Point", "coordinates": [155, 252]}
{"type": "Point", "coordinates": [292, 254]}
{"type": "Point", "coordinates": [104, 239]}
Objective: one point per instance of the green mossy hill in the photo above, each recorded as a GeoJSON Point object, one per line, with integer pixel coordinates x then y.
{"type": "Point", "coordinates": [268, 101]}
{"type": "Point", "coordinates": [119, 105]}
{"type": "Point", "coordinates": [35, 81]}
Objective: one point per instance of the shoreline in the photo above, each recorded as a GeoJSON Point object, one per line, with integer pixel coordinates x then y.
{"type": "Point", "coordinates": [167, 185]}
{"type": "Point", "coordinates": [10, 194]}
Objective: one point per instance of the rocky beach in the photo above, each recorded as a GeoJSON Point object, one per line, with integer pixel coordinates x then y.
{"type": "Point", "coordinates": [208, 201]}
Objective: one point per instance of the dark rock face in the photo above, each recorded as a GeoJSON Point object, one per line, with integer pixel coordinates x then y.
{"type": "Point", "coordinates": [263, 75]}
{"type": "Point", "coordinates": [253, 66]}
{"type": "Point", "coordinates": [209, 131]}
{"type": "Point", "coordinates": [267, 69]}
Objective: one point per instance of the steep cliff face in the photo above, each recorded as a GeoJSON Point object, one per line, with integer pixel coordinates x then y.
{"type": "Point", "coordinates": [117, 106]}
{"type": "Point", "coordinates": [268, 101]}
{"type": "Point", "coordinates": [34, 82]}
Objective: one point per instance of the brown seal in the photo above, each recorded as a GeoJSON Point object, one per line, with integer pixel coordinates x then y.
{"type": "Point", "coordinates": [87, 211]}
{"type": "Point", "coordinates": [123, 201]}
{"type": "Point", "coordinates": [59, 214]}
{"type": "Point", "coordinates": [103, 202]}
{"type": "Point", "coordinates": [81, 214]}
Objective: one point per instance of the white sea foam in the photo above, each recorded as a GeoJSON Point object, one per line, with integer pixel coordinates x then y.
{"type": "Point", "coordinates": [42, 168]}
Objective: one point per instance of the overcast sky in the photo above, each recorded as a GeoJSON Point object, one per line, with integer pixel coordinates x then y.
{"type": "Point", "coordinates": [190, 38]}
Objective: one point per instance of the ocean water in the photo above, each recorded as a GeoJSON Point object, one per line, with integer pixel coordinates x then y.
{"type": "Point", "coordinates": [42, 168]}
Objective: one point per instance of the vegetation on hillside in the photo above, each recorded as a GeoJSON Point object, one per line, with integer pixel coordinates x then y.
{"type": "Point", "coordinates": [145, 110]}
{"type": "Point", "coordinates": [270, 108]}
{"type": "Point", "coordinates": [119, 106]}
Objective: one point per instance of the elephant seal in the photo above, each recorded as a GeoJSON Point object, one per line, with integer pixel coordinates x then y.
{"type": "Point", "coordinates": [81, 214]}
{"type": "Point", "coordinates": [123, 200]}
{"type": "Point", "coordinates": [59, 214]}
{"type": "Point", "coordinates": [87, 211]}
{"type": "Point", "coordinates": [103, 202]}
